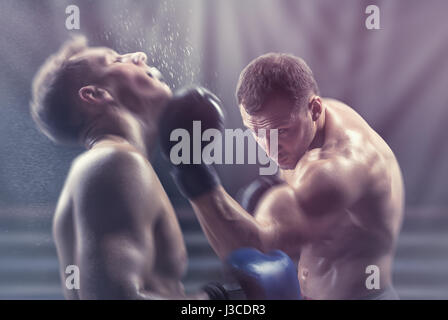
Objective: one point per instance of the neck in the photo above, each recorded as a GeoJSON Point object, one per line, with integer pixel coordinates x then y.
{"type": "Point", "coordinates": [131, 134]}
{"type": "Point", "coordinates": [319, 137]}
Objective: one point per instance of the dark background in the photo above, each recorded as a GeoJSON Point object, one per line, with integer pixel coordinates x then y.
{"type": "Point", "coordinates": [396, 78]}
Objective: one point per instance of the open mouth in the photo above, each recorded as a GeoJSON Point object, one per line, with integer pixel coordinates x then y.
{"type": "Point", "coordinates": [153, 72]}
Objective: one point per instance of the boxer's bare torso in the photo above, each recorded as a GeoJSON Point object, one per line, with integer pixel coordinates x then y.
{"type": "Point", "coordinates": [115, 222]}
{"type": "Point", "coordinates": [333, 264]}
{"type": "Point", "coordinates": [339, 211]}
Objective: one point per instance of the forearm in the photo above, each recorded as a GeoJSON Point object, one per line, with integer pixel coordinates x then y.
{"type": "Point", "coordinates": [226, 224]}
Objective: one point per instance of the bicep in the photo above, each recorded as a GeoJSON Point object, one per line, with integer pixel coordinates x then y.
{"type": "Point", "coordinates": [295, 215]}
{"type": "Point", "coordinates": [282, 221]}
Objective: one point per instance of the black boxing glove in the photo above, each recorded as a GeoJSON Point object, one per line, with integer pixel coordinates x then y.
{"type": "Point", "coordinates": [186, 106]}
{"type": "Point", "coordinates": [249, 196]}
{"type": "Point", "coordinates": [224, 291]}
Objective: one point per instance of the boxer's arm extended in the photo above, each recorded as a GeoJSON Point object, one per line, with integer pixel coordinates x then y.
{"type": "Point", "coordinates": [287, 217]}
{"type": "Point", "coordinates": [112, 251]}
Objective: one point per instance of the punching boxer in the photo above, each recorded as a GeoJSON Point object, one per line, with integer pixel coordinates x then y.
{"type": "Point", "coordinates": [339, 207]}
{"type": "Point", "coordinates": [113, 219]}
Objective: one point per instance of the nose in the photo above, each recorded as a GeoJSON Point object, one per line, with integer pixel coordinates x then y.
{"type": "Point", "coordinates": [270, 143]}
{"type": "Point", "coordinates": [263, 138]}
{"type": "Point", "coordinates": [267, 144]}
{"type": "Point", "coordinates": [137, 58]}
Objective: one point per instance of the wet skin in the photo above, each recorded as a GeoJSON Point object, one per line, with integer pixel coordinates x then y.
{"type": "Point", "coordinates": [113, 218]}
{"type": "Point", "coordinates": [339, 210]}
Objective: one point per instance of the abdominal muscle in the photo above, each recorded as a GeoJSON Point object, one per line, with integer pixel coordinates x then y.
{"type": "Point", "coordinates": [335, 267]}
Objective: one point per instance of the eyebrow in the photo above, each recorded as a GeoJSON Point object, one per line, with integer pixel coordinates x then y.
{"type": "Point", "coordinates": [275, 124]}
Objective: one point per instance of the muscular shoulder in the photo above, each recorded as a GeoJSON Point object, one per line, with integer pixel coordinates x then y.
{"type": "Point", "coordinates": [106, 179]}
{"type": "Point", "coordinates": [332, 182]}
{"type": "Point", "coordinates": [109, 164]}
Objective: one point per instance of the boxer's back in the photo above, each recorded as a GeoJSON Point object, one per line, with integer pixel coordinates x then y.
{"type": "Point", "coordinates": [365, 234]}
{"type": "Point", "coordinates": [89, 213]}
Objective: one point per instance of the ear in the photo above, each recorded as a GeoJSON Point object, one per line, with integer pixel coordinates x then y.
{"type": "Point", "coordinates": [94, 95]}
{"type": "Point", "coordinates": [315, 107]}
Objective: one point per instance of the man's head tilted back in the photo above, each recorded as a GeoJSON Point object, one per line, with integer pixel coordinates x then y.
{"type": "Point", "coordinates": [278, 91]}
{"type": "Point", "coordinates": [80, 87]}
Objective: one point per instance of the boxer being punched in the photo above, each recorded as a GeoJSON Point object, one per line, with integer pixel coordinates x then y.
{"type": "Point", "coordinates": [113, 219]}
{"type": "Point", "coordinates": [340, 206]}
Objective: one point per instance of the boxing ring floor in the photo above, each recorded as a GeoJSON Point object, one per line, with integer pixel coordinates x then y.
{"type": "Point", "coordinates": [29, 267]}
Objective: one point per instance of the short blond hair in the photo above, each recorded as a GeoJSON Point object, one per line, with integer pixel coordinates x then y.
{"type": "Point", "coordinates": [54, 88]}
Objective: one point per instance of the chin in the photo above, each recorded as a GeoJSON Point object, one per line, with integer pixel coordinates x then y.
{"type": "Point", "coordinates": [286, 165]}
{"type": "Point", "coordinates": [159, 100]}
{"type": "Point", "coordinates": [166, 92]}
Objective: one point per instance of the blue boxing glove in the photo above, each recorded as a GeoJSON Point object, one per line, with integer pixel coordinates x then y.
{"type": "Point", "coordinates": [270, 276]}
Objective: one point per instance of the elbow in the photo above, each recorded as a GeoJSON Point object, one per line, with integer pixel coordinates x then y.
{"type": "Point", "coordinates": [110, 289]}
{"type": "Point", "coordinates": [258, 237]}
{"type": "Point", "coordinates": [267, 239]}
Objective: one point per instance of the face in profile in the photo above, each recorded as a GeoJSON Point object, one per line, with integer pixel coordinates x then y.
{"type": "Point", "coordinates": [294, 129]}
{"type": "Point", "coordinates": [128, 79]}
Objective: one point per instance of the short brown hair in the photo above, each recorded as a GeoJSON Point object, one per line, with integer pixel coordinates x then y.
{"type": "Point", "coordinates": [54, 89]}
{"type": "Point", "coordinates": [274, 72]}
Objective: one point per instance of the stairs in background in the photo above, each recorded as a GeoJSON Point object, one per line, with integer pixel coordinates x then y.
{"type": "Point", "coordinates": [29, 267]}
{"type": "Point", "coordinates": [421, 260]}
